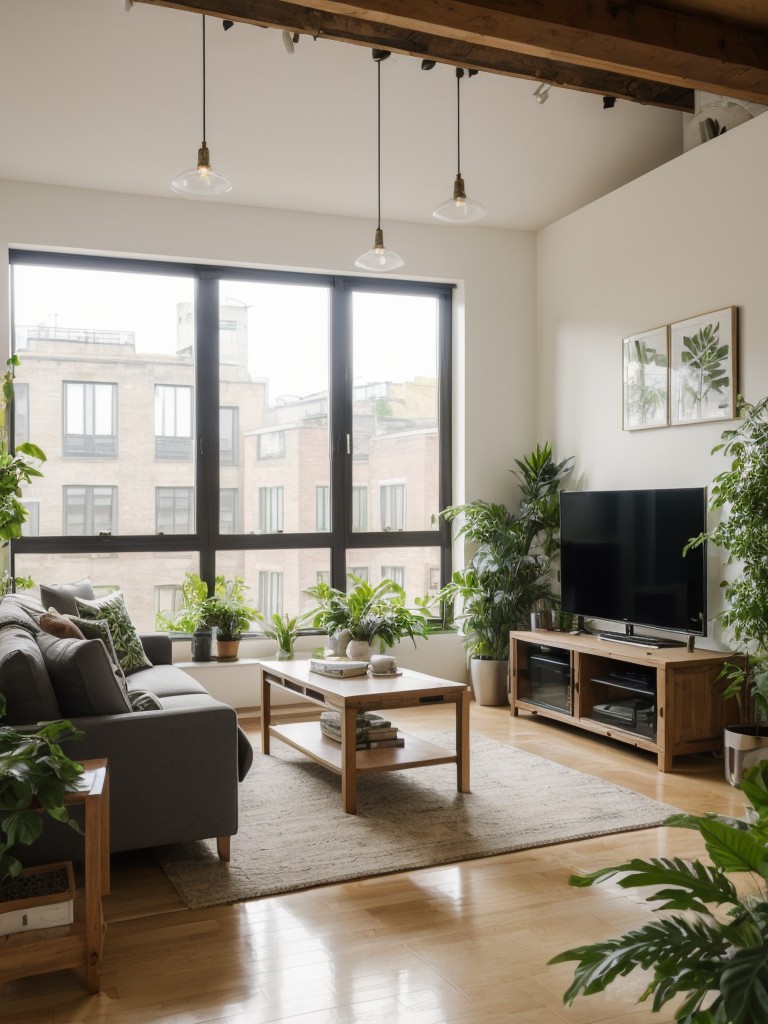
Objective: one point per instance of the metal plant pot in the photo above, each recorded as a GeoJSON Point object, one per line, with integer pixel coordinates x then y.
{"type": "Point", "coordinates": [743, 746]}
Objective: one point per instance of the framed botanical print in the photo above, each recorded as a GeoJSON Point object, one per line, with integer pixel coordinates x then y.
{"type": "Point", "coordinates": [703, 367]}
{"type": "Point", "coordinates": [646, 380]}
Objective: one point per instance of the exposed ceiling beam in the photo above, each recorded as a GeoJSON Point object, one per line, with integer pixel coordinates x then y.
{"type": "Point", "coordinates": [638, 51]}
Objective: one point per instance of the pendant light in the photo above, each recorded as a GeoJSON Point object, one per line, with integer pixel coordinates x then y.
{"type": "Point", "coordinates": [202, 181]}
{"type": "Point", "coordinates": [379, 258]}
{"type": "Point", "coordinates": [459, 209]}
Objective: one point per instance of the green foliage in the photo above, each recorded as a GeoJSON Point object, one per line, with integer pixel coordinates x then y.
{"type": "Point", "coordinates": [509, 573]}
{"type": "Point", "coordinates": [645, 397]}
{"type": "Point", "coordinates": [286, 628]}
{"type": "Point", "coordinates": [33, 770]}
{"type": "Point", "coordinates": [226, 608]}
{"type": "Point", "coordinates": [368, 612]}
{"type": "Point", "coordinates": [718, 962]}
{"type": "Point", "coordinates": [705, 360]}
{"type": "Point", "coordinates": [742, 533]}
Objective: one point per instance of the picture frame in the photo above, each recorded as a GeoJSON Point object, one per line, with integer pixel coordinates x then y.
{"type": "Point", "coordinates": [703, 367]}
{"type": "Point", "coordinates": [645, 374]}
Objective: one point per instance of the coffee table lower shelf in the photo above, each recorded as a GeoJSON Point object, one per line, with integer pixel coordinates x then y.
{"type": "Point", "coordinates": [307, 737]}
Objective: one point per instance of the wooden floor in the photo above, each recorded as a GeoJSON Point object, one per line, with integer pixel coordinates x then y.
{"type": "Point", "coordinates": [463, 943]}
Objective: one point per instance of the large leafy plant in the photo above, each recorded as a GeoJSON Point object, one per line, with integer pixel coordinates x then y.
{"type": "Point", "coordinates": [369, 612]}
{"type": "Point", "coordinates": [509, 573]}
{"type": "Point", "coordinates": [226, 608]}
{"type": "Point", "coordinates": [711, 950]}
{"type": "Point", "coordinates": [741, 493]}
{"type": "Point", "coordinates": [35, 774]}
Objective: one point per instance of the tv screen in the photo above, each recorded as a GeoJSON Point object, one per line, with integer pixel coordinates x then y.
{"type": "Point", "coordinates": [622, 557]}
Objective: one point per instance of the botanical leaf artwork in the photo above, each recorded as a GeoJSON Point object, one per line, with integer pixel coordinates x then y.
{"type": "Point", "coordinates": [705, 361]}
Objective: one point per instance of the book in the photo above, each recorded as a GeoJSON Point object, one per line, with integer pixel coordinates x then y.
{"type": "Point", "coordinates": [338, 668]}
{"type": "Point", "coordinates": [361, 734]}
{"type": "Point", "coordinates": [365, 719]}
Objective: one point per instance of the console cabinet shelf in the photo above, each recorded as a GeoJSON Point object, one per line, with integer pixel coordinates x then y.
{"type": "Point", "coordinates": [667, 701]}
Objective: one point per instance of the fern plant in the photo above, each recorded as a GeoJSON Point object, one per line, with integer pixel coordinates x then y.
{"type": "Point", "coordinates": [711, 949]}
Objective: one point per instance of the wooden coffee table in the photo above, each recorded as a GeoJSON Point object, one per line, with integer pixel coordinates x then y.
{"type": "Point", "coordinates": [349, 697]}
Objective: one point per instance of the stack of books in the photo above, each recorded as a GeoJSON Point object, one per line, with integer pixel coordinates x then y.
{"type": "Point", "coordinates": [372, 730]}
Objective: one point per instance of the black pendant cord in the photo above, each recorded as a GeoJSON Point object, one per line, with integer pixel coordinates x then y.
{"type": "Point", "coordinates": [378, 141]}
{"type": "Point", "coordinates": [204, 78]}
{"type": "Point", "coordinates": [459, 75]}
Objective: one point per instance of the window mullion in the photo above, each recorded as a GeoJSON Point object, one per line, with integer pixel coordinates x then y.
{"type": "Point", "coordinates": [340, 419]}
{"type": "Point", "coordinates": [207, 423]}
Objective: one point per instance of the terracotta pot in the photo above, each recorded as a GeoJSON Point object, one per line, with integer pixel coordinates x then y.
{"type": "Point", "coordinates": [226, 650]}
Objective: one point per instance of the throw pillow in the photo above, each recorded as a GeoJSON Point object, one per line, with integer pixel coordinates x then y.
{"type": "Point", "coordinates": [82, 677]}
{"type": "Point", "coordinates": [98, 629]}
{"type": "Point", "coordinates": [59, 625]}
{"type": "Point", "coordinates": [130, 653]}
{"type": "Point", "coordinates": [144, 700]}
{"type": "Point", "coordinates": [63, 596]}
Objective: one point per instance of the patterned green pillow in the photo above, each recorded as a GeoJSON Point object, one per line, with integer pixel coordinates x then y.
{"type": "Point", "coordinates": [98, 629]}
{"type": "Point", "coordinates": [144, 700]}
{"type": "Point", "coordinates": [130, 653]}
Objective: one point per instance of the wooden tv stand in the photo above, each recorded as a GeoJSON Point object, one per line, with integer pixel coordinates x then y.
{"type": "Point", "coordinates": [665, 700]}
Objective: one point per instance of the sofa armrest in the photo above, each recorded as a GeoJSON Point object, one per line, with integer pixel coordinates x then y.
{"type": "Point", "coordinates": [173, 776]}
{"type": "Point", "coordinates": [157, 647]}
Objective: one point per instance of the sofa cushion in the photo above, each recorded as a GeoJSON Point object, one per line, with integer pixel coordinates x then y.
{"type": "Point", "coordinates": [165, 681]}
{"type": "Point", "coordinates": [130, 652]}
{"type": "Point", "coordinates": [61, 596]}
{"type": "Point", "coordinates": [83, 677]}
{"type": "Point", "coordinates": [98, 629]}
{"type": "Point", "coordinates": [24, 680]}
{"type": "Point", "coordinates": [59, 625]}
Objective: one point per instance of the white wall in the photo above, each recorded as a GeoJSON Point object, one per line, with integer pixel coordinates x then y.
{"type": "Point", "coordinates": [688, 238]}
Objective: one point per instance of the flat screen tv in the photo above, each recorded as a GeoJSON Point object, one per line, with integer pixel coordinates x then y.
{"type": "Point", "coordinates": [622, 557]}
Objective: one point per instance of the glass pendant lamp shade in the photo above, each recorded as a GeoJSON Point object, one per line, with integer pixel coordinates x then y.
{"type": "Point", "coordinates": [201, 181]}
{"type": "Point", "coordinates": [459, 209]}
{"type": "Point", "coordinates": [379, 258]}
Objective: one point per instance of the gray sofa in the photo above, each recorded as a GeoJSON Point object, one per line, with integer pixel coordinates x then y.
{"type": "Point", "coordinates": [173, 771]}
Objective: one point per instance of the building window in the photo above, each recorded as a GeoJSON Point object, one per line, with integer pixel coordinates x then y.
{"type": "Point", "coordinates": [229, 510]}
{"type": "Point", "coordinates": [392, 507]}
{"type": "Point", "coordinates": [90, 420]}
{"type": "Point", "coordinates": [434, 579]}
{"type": "Point", "coordinates": [360, 570]}
{"type": "Point", "coordinates": [175, 510]}
{"type": "Point", "coordinates": [90, 511]}
{"type": "Point", "coordinates": [168, 598]}
{"type": "Point", "coordinates": [32, 526]}
{"type": "Point", "coordinates": [323, 508]}
{"type": "Point", "coordinates": [228, 355]}
{"type": "Point", "coordinates": [272, 445]}
{"type": "Point", "coordinates": [270, 593]}
{"type": "Point", "coordinates": [229, 447]}
{"type": "Point", "coordinates": [360, 509]}
{"type": "Point", "coordinates": [173, 422]}
{"type": "Point", "coordinates": [396, 573]}
{"type": "Point", "coordinates": [20, 413]}
{"type": "Point", "coordinates": [270, 509]}
{"type": "Point", "coordinates": [323, 576]}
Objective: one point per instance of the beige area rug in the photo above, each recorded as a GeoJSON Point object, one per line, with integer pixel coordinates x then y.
{"type": "Point", "coordinates": [294, 835]}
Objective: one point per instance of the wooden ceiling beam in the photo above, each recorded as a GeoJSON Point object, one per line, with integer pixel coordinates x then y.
{"type": "Point", "coordinates": [637, 51]}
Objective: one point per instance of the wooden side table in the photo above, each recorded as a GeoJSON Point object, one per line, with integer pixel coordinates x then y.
{"type": "Point", "coordinates": [81, 943]}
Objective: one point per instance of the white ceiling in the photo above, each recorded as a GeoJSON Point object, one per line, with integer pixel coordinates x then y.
{"type": "Point", "coordinates": [96, 97]}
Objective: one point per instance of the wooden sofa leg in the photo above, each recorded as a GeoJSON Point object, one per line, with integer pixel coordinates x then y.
{"type": "Point", "coordinates": [222, 847]}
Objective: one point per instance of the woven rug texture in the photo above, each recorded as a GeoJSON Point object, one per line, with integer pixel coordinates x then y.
{"type": "Point", "coordinates": [294, 835]}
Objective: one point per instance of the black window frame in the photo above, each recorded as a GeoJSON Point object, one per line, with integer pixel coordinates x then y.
{"type": "Point", "coordinates": [207, 540]}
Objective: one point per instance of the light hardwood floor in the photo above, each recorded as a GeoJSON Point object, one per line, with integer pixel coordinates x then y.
{"type": "Point", "coordinates": [465, 943]}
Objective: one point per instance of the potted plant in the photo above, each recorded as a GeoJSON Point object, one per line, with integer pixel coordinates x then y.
{"type": "Point", "coordinates": [714, 954]}
{"type": "Point", "coordinates": [742, 533]}
{"type": "Point", "coordinates": [35, 774]}
{"type": "Point", "coordinates": [285, 629]}
{"type": "Point", "coordinates": [227, 612]}
{"type": "Point", "coordinates": [190, 617]}
{"type": "Point", "coordinates": [367, 614]}
{"type": "Point", "coordinates": [509, 574]}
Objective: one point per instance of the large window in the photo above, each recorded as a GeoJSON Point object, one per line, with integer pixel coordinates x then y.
{"type": "Point", "coordinates": [90, 420]}
{"type": "Point", "coordinates": [271, 426]}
